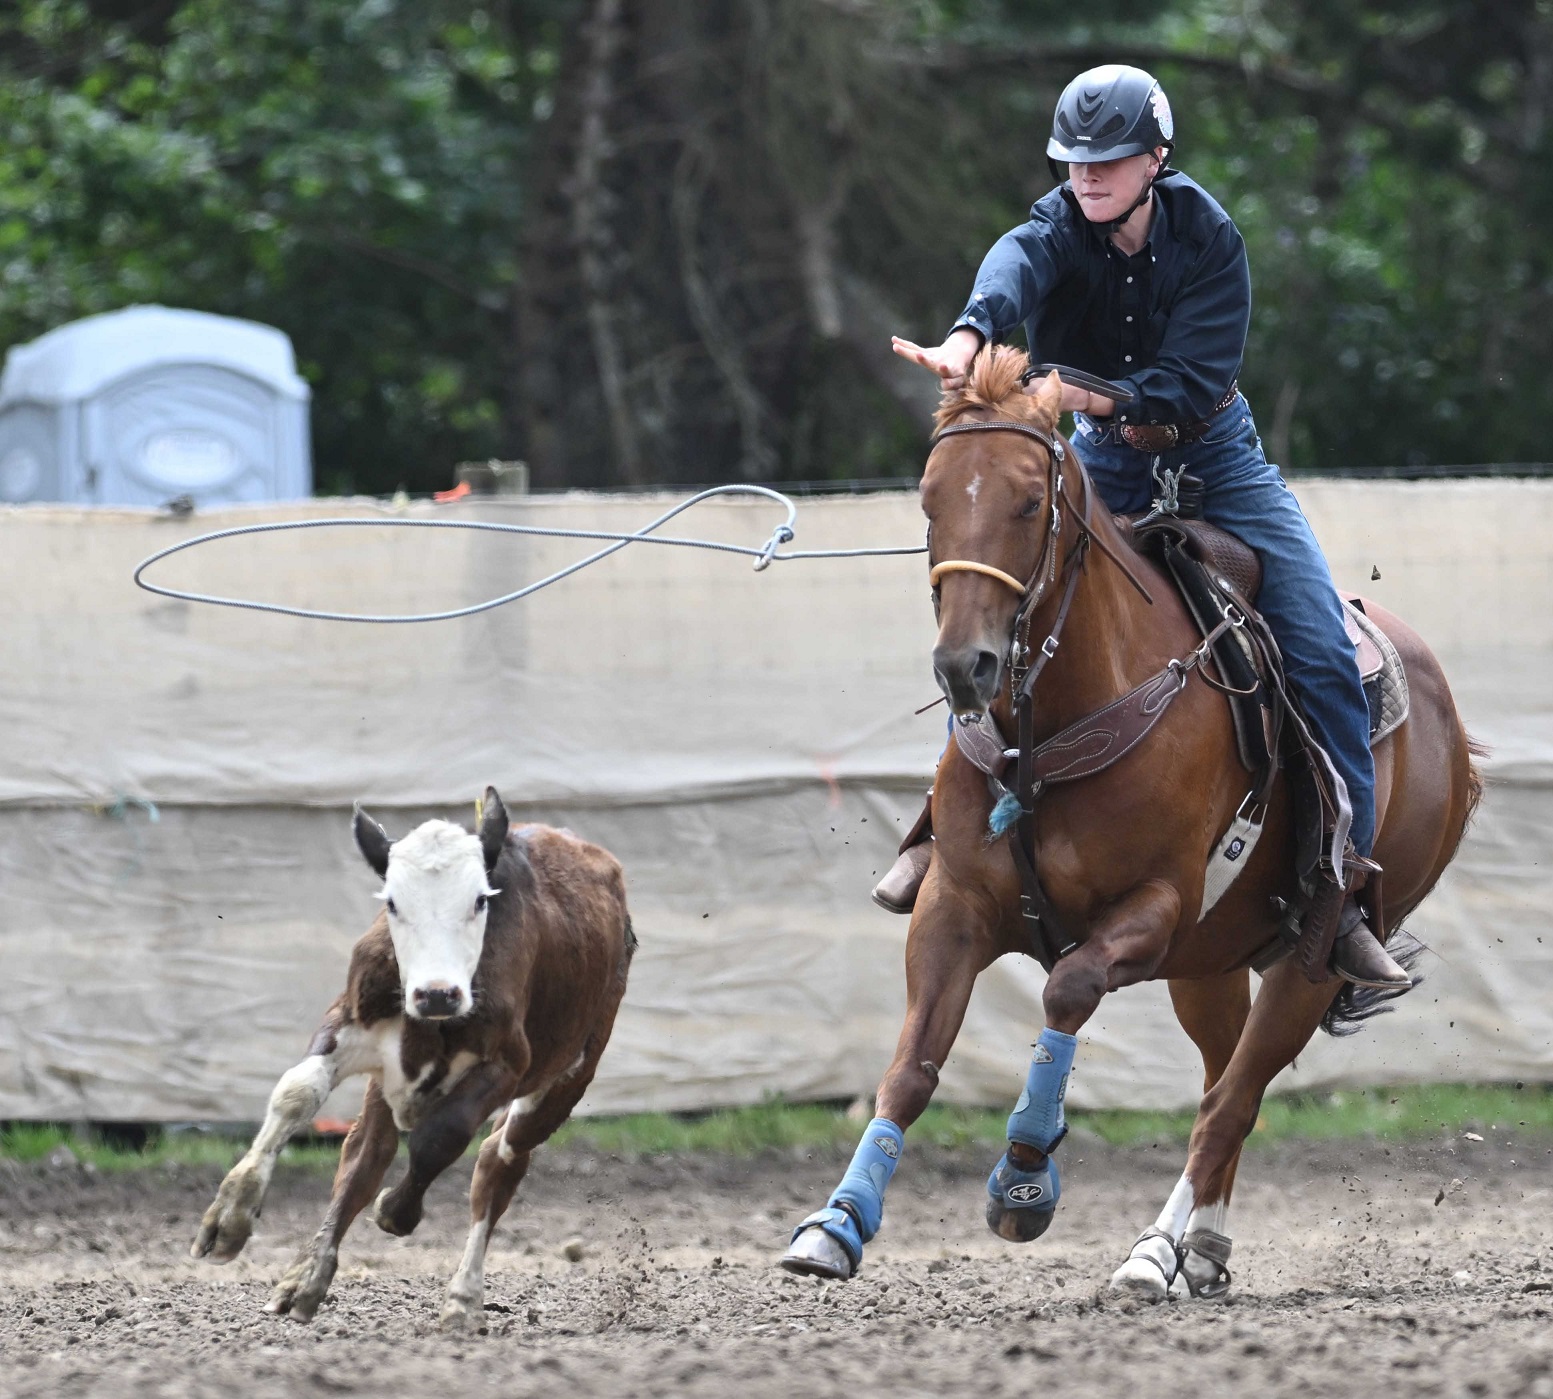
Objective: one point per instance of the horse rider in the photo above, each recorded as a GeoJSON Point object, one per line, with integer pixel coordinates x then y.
{"type": "Point", "coordinates": [1132, 271]}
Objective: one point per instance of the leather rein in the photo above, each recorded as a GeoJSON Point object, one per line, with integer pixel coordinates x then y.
{"type": "Point", "coordinates": [1100, 738]}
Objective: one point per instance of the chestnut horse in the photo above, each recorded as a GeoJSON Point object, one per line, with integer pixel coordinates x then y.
{"type": "Point", "coordinates": [1122, 853]}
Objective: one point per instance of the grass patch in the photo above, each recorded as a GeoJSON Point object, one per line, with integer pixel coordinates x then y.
{"type": "Point", "coordinates": [1388, 1114]}
{"type": "Point", "coordinates": [111, 1151]}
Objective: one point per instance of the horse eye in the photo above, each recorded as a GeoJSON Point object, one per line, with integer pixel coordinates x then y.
{"type": "Point", "coordinates": [1031, 510]}
{"type": "Point", "coordinates": [479, 902]}
{"type": "Point", "coordinates": [392, 909]}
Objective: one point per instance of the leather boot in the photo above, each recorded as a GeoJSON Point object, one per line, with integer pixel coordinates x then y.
{"type": "Point", "coordinates": [897, 891]}
{"type": "Point", "coordinates": [1358, 956]}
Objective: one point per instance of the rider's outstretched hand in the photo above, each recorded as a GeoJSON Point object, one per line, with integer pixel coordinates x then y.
{"type": "Point", "coordinates": [951, 361]}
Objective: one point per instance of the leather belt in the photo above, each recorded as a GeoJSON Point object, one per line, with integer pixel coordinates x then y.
{"type": "Point", "coordinates": [1166, 437]}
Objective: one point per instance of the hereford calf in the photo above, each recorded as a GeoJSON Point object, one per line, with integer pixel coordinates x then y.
{"type": "Point", "coordinates": [489, 981]}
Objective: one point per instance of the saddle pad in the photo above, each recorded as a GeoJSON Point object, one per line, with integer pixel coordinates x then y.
{"type": "Point", "coordinates": [1386, 688]}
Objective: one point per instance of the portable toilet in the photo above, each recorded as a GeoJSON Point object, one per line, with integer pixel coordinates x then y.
{"type": "Point", "coordinates": [141, 406]}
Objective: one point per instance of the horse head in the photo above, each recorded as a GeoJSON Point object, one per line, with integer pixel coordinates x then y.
{"type": "Point", "coordinates": [436, 896]}
{"type": "Point", "coordinates": [994, 523]}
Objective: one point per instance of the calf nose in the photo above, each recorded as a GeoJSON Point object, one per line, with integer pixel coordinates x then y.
{"type": "Point", "coordinates": [968, 676]}
{"type": "Point", "coordinates": [439, 1001]}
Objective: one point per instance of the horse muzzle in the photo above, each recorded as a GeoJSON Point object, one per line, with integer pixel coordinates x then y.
{"type": "Point", "coordinates": [968, 676]}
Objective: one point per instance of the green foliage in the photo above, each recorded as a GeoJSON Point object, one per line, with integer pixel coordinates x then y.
{"type": "Point", "coordinates": [462, 212]}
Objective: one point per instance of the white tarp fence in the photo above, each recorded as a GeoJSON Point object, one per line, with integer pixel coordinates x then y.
{"type": "Point", "coordinates": [178, 888]}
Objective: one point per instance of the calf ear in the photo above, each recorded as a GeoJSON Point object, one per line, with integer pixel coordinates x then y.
{"type": "Point", "coordinates": [493, 827]}
{"type": "Point", "coordinates": [372, 840]}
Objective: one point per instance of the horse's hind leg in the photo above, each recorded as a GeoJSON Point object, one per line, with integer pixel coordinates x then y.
{"type": "Point", "coordinates": [1213, 1012]}
{"type": "Point", "coordinates": [1284, 1016]}
{"type": "Point", "coordinates": [364, 1161]}
{"type": "Point", "coordinates": [949, 945]}
{"type": "Point", "coordinates": [503, 1162]}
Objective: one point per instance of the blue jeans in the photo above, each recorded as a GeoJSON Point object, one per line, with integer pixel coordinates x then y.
{"type": "Point", "coordinates": [1247, 496]}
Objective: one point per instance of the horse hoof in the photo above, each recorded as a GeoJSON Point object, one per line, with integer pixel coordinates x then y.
{"type": "Point", "coordinates": [1021, 1203]}
{"type": "Point", "coordinates": [1016, 1225]}
{"type": "Point", "coordinates": [815, 1254]}
{"type": "Point", "coordinates": [1140, 1277]}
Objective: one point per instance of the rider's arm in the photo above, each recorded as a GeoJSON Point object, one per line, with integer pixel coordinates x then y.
{"type": "Point", "coordinates": [1204, 340]}
{"type": "Point", "coordinates": [1018, 271]}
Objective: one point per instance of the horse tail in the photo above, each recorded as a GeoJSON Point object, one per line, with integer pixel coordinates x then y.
{"type": "Point", "coordinates": [1353, 1005]}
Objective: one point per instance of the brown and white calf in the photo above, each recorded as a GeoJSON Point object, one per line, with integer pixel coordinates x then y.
{"type": "Point", "coordinates": [490, 980]}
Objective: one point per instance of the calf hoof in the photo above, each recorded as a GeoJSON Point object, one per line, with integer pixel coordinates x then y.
{"type": "Point", "coordinates": [305, 1284]}
{"type": "Point", "coordinates": [826, 1245]}
{"type": "Point", "coordinates": [1021, 1202]}
{"type": "Point", "coordinates": [229, 1221]}
{"type": "Point", "coordinates": [395, 1215]}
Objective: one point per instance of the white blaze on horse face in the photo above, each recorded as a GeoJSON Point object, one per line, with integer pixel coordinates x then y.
{"type": "Point", "coordinates": [973, 490]}
{"type": "Point", "coordinates": [436, 893]}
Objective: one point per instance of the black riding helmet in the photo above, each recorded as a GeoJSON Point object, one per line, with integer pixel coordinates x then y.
{"type": "Point", "coordinates": [1107, 113]}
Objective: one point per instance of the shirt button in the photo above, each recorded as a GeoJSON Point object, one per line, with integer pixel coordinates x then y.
{"type": "Point", "coordinates": [1129, 320]}
{"type": "Point", "coordinates": [1129, 279]}
{"type": "Point", "coordinates": [1127, 359]}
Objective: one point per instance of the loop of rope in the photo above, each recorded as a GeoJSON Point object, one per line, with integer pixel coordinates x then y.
{"type": "Point", "coordinates": [763, 556]}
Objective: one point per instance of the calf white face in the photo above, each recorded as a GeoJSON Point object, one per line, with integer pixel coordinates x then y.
{"type": "Point", "coordinates": [436, 892]}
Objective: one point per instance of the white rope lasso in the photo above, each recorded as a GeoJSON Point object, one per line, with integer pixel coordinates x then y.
{"type": "Point", "coordinates": [763, 556]}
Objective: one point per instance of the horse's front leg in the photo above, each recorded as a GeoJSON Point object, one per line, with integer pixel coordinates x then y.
{"type": "Point", "coordinates": [1125, 945]}
{"type": "Point", "coordinates": [952, 940]}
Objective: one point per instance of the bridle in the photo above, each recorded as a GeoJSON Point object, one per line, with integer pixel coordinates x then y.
{"type": "Point", "coordinates": [1022, 675]}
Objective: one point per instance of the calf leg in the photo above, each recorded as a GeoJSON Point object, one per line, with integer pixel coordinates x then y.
{"type": "Point", "coordinates": [364, 1161]}
{"type": "Point", "coordinates": [442, 1136]}
{"type": "Point", "coordinates": [1213, 1012]}
{"type": "Point", "coordinates": [528, 1122]}
{"type": "Point", "coordinates": [294, 1103]}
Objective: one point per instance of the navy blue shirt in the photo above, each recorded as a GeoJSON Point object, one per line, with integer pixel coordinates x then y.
{"type": "Point", "coordinates": [1169, 322]}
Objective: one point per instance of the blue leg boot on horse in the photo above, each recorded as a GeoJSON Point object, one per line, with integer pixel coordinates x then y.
{"type": "Point", "coordinates": [829, 1243]}
{"type": "Point", "coordinates": [1023, 1190]}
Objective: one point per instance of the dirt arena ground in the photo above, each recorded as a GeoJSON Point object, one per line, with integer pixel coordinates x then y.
{"type": "Point", "coordinates": [1361, 1269]}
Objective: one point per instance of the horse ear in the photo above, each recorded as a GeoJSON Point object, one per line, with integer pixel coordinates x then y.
{"type": "Point", "coordinates": [493, 827]}
{"type": "Point", "coordinates": [372, 840]}
{"type": "Point", "coordinates": [1048, 397]}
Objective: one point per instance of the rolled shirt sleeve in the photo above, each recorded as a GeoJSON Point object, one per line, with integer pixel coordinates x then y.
{"type": "Point", "coordinates": [1019, 271]}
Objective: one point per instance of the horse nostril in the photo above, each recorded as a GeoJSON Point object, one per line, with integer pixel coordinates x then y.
{"type": "Point", "coordinates": [984, 673]}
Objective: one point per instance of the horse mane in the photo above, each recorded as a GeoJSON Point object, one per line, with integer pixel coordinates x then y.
{"type": "Point", "coordinates": [994, 382]}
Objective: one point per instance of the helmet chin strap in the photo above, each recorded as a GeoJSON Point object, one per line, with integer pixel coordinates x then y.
{"type": "Point", "coordinates": [1141, 200]}
{"type": "Point", "coordinates": [1138, 203]}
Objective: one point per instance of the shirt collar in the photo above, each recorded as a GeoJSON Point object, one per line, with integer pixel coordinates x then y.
{"type": "Point", "coordinates": [1159, 229]}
